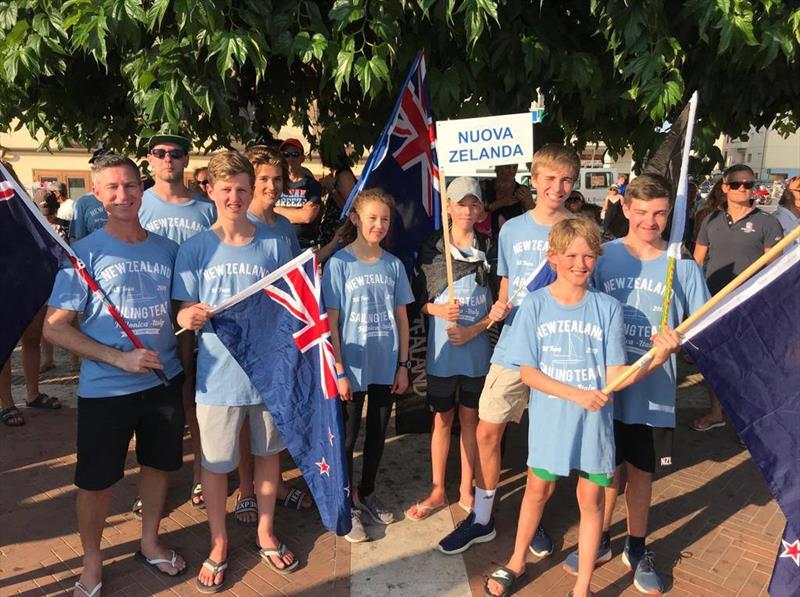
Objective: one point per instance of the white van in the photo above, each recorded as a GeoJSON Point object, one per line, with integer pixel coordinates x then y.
{"type": "Point", "coordinates": [593, 184]}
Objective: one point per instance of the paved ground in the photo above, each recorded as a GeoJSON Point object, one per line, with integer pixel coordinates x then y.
{"type": "Point", "coordinates": [715, 528]}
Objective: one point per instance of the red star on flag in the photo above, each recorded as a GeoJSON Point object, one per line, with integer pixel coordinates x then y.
{"type": "Point", "coordinates": [324, 467]}
{"type": "Point", "coordinates": [792, 550]}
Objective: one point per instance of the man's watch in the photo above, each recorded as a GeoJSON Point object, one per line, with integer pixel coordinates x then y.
{"type": "Point", "coordinates": [406, 364]}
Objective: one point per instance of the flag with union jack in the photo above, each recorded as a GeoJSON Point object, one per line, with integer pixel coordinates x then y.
{"type": "Point", "coordinates": [277, 330]}
{"type": "Point", "coordinates": [403, 163]}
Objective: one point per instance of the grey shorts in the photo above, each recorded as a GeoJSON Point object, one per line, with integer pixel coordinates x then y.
{"type": "Point", "coordinates": [219, 434]}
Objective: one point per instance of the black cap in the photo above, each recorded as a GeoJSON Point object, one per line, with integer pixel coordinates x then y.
{"type": "Point", "coordinates": [178, 140]}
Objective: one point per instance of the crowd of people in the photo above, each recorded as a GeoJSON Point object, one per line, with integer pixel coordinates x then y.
{"type": "Point", "coordinates": [167, 254]}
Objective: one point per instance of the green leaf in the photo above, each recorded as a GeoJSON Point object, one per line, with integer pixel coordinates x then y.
{"type": "Point", "coordinates": [319, 43]}
{"type": "Point", "coordinates": [156, 12]}
{"type": "Point", "coordinates": [344, 12]}
{"type": "Point", "coordinates": [344, 65]}
{"type": "Point", "coordinates": [8, 15]}
{"type": "Point", "coordinates": [301, 47]}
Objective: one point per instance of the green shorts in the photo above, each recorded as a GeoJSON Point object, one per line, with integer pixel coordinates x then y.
{"type": "Point", "coordinates": [601, 479]}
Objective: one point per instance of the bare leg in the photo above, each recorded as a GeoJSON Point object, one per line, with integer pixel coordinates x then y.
{"type": "Point", "coordinates": [714, 413]}
{"type": "Point", "coordinates": [48, 360]}
{"type": "Point", "coordinates": [215, 488]}
{"type": "Point", "coordinates": [590, 500]}
{"type": "Point", "coordinates": [487, 465]}
{"type": "Point", "coordinates": [31, 355]}
{"type": "Point", "coordinates": [153, 491]}
{"type": "Point", "coordinates": [267, 473]}
{"type": "Point", "coordinates": [637, 500]}
{"type": "Point", "coordinates": [537, 492]}
{"type": "Point", "coordinates": [190, 409]}
{"type": "Point", "coordinates": [92, 507]}
{"type": "Point", "coordinates": [6, 398]}
{"type": "Point", "coordinates": [611, 498]}
{"type": "Point", "coordinates": [440, 447]}
{"type": "Point", "coordinates": [468, 418]}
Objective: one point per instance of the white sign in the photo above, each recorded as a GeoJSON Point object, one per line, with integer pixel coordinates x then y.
{"type": "Point", "coordinates": [465, 145]}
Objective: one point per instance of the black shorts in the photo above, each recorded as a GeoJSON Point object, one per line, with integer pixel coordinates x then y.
{"type": "Point", "coordinates": [647, 448]}
{"type": "Point", "coordinates": [445, 392]}
{"type": "Point", "coordinates": [106, 426]}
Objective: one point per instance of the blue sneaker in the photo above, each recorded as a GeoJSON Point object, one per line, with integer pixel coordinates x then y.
{"type": "Point", "coordinates": [645, 577]}
{"type": "Point", "coordinates": [466, 534]}
{"type": "Point", "coordinates": [571, 563]}
{"type": "Point", "coordinates": [541, 545]}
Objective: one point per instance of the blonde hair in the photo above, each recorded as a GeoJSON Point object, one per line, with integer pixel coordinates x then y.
{"type": "Point", "coordinates": [227, 164]}
{"type": "Point", "coordinates": [348, 229]}
{"type": "Point", "coordinates": [261, 155]}
{"type": "Point", "coordinates": [566, 231]}
{"type": "Point", "coordinates": [554, 154]}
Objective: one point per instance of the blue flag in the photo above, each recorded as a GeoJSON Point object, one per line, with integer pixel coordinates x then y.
{"type": "Point", "coordinates": [542, 276]}
{"type": "Point", "coordinates": [748, 349]}
{"type": "Point", "coordinates": [31, 253]}
{"type": "Point", "coordinates": [403, 163]}
{"type": "Point", "coordinates": [278, 331]}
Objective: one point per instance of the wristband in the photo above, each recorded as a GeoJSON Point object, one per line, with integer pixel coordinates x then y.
{"type": "Point", "coordinates": [341, 375]}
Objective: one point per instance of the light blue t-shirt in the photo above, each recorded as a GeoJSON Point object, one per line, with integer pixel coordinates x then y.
{"type": "Point", "coordinates": [137, 278]}
{"type": "Point", "coordinates": [210, 271]}
{"type": "Point", "coordinates": [176, 221]}
{"type": "Point", "coordinates": [639, 286]}
{"type": "Point", "coordinates": [366, 296]}
{"type": "Point", "coordinates": [522, 246]}
{"type": "Point", "coordinates": [470, 359]}
{"type": "Point", "coordinates": [572, 344]}
{"type": "Point", "coordinates": [282, 229]}
{"type": "Point", "coordinates": [88, 215]}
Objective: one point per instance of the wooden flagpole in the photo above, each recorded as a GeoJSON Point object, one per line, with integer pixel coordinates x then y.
{"type": "Point", "coordinates": [754, 267]}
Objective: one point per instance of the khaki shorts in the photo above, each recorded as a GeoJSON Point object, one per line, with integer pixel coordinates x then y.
{"type": "Point", "coordinates": [504, 397]}
{"type": "Point", "coordinates": [219, 434]}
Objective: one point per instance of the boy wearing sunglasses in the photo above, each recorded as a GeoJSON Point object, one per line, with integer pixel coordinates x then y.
{"type": "Point", "coordinates": [728, 242]}
{"type": "Point", "coordinates": [301, 199]}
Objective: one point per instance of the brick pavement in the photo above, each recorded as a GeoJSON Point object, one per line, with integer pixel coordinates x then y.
{"type": "Point", "coordinates": [714, 527]}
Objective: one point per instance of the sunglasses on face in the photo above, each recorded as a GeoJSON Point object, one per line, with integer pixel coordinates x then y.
{"type": "Point", "coordinates": [202, 183]}
{"type": "Point", "coordinates": [748, 184]}
{"type": "Point", "coordinates": [291, 154]}
{"type": "Point", "coordinates": [175, 154]}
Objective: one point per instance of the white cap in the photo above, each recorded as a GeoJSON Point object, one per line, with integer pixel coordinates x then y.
{"type": "Point", "coordinates": [464, 186]}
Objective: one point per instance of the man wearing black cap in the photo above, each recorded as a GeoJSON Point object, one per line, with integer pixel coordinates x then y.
{"type": "Point", "coordinates": [302, 195]}
{"type": "Point", "coordinates": [169, 208]}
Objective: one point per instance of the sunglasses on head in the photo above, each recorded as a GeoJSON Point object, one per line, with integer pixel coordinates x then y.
{"type": "Point", "coordinates": [291, 154]}
{"type": "Point", "coordinates": [175, 154]}
{"type": "Point", "coordinates": [748, 184]}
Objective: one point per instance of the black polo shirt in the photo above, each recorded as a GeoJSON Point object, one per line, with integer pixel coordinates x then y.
{"type": "Point", "coordinates": [732, 247]}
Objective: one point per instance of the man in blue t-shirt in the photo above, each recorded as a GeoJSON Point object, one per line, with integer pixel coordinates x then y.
{"type": "Point", "coordinates": [633, 270]}
{"type": "Point", "coordinates": [522, 247]}
{"type": "Point", "coordinates": [301, 199]}
{"type": "Point", "coordinates": [118, 392]}
{"type": "Point", "coordinates": [89, 215]}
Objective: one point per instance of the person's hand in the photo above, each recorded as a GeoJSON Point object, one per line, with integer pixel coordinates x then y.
{"type": "Point", "coordinates": [138, 360]}
{"type": "Point", "coordinates": [592, 400]}
{"type": "Point", "coordinates": [499, 311]}
{"type": "Point", "coordinates": [345, 390]}
{"type": "Point", "coordinates": [400, 384]}
{"type": "Point", "coordinates": [665, 343]}
{"type": "Point", "coordinates": [194, 317]}
{"type": "Point", "coordinates": [458, 335]}
{"type": "Point", "coordinates": [449, 311]}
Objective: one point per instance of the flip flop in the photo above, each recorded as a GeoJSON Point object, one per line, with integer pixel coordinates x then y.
{"type": "Point", "coordinates": [280, 551]}
{"type": "Point", "coordinates": [508, 579]}
{"type": "Point", "coordinates": [466, 509]}
{"type": "Point", "coordinates": [294, 500]}
{"type": "Point", "coordinates": [197, 492]}
{"type": "Point", "coordinates": [44, 401]}
{"type": "Point", "coordinates": [215, 568]}
{"type": "Point", "coordinates": [697, 426]}
{"type": "Point", "coordinates": [245, 506]}
{"type": "Point", "coordinates": [423, 512]}
{"type": "Point", "coordinates": [80, 586]}
{"type": "Point", "coordinates": [136, 508]}
{"type": "Point", "coordinates": [156, 561]}
{"type": "Point", "coordinates": [12, 417]}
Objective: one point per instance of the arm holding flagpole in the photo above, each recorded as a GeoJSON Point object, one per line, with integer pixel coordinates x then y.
{"type": "Point", "coordinates": [757, 265]}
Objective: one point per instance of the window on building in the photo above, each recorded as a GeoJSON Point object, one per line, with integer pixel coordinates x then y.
{"type": "Point", "coordinates": [749, 157]}
{"type": "Point", "coordinates": [597, 180]}
{"type": "Point", "coordinates": [78, 182]}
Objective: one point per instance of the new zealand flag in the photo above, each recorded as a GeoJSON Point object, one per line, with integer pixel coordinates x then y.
{"type": "Point", "coordinates": [748, 349]}
{"type": "Point", "coordinates": [31, 254]}
{"type": "Point", "coordinates": [403, 163]}
{"type": "Point", "coordinates": [278, 331]}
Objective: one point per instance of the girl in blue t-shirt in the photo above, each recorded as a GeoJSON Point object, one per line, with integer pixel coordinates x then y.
{"type": "Point", "coordinates": [366, 292]}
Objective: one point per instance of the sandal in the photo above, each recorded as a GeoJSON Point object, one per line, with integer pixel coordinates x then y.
{"type": "Point", "coordinates": [44, 401]}
{"type": "Point", "coordinates": [246, 506]}
{"type": "Point", "coordinates": [294, 500]}
{"type": "Point", "coordinates": [12, 417]}
{"type": "Point", "coordinates": [280, 551]}
{"type": "Point", "coordinates": [80, 586]}
{"type": "Point", "coordinates": [507, 579]}
{"type": "Point", "coordinates": [156, 561]}
{"type": "Point", "coordinates": [422, 512]}
{"type": "Point", "coordinates": [196, 497]}
{"type": "Point", "coordinates": [215, 569]}
{"type": "Point", "coordinates": [136, 508]}
{"type": "Point", "coordinates": [705, 424]}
